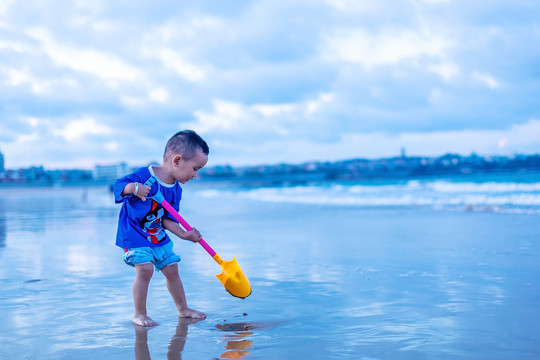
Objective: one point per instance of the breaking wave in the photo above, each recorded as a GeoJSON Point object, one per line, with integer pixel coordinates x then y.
{"type": "Point", "coordinates": [442, 194]}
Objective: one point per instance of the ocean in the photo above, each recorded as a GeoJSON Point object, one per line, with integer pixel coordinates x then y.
{"type": "Point", "coordinates": [438, 268]}
{"type": "Point", "coordinates": [508, 193]}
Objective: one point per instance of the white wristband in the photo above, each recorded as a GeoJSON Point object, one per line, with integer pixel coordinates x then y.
{"type": "Point", "coordinates": [136, 188]}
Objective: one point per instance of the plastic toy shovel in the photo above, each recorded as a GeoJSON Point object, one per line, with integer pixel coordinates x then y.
{"type": "Point", "coordinates": [232, 276]}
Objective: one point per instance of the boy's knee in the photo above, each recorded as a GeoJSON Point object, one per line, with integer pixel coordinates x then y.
{"type": "Point", "coordinates": [145, 271]}
{"type": "Point", "coordinates": [170, 270]}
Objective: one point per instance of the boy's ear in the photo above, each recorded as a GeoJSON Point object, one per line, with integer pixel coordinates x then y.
{"type": "Point", "coordinates": [177, 159]}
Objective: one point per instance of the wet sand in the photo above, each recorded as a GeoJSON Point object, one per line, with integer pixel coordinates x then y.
{"type": "Point", "coordinates": [329, 282]}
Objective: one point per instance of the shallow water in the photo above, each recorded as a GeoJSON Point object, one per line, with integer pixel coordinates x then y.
{"type": "Point", "coordinates": [330, 281]}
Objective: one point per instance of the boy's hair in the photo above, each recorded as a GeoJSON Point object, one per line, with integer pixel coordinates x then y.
{"type": "Point", "coordinates": [185, 143]}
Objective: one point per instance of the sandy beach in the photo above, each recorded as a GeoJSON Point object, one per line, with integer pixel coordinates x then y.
{"type": "Point", "coordinates": [330, 281]}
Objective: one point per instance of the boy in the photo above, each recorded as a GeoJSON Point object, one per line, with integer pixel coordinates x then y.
{"type": "Point", "coordinates": [142, 222]}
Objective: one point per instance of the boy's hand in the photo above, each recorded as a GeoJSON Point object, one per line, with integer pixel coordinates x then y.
{"type": "Point", "coordinates": [143, 191]}
{"type": "Point", "coordinates": [193, 235]}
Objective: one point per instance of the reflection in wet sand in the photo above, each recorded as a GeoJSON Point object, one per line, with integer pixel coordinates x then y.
{"type": "Point", "coordinates": [235, 327]}
{"type": "Point", "coordinates": [3, 229]}
{"type": "Point", "coordinates": [237, 349]}
{"type": "Point", "coordinates": [176, 345]}
{"type": "Point", "coordinates": [240, 332]}
{"type": "Point", "coordinates": [141, 343]}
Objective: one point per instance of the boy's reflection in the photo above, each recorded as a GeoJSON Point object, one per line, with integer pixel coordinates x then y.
{"type": "Point", "coordinates": [3, 228]}
{"type": "Point", "coordinates": [176, 346]}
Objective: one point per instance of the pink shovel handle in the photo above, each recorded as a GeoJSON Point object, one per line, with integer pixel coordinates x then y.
{"type": "Point", "coordinates": [186, 226]}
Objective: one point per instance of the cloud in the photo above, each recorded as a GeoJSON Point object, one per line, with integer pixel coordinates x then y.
{"type": "Point", "coordinates": [486, 79]}
{"type": "Point", "coordinates": [386, 48]}
{"type": "Point", "coordinates": [235, 119]}
{"type": "Point", "coordinates": [173, 60]}
{"type": "Point", "coordinates": [446, 70]}
{"type": "Point", "coordinates": [337, 78]}
{"type": "Point", "coordinates": [159, 95]}
{"type": "Point", "coordinates": [4, 6]}
{"type": "Point", "coordinates": [437, 1]}
{"type": "Point", "coordinates": [106, 66]}
{"type": "Point", "coordinates": [255, 122]}
{"type": "Point", "coordinates": [76, 129]}
{"type": "Point", "coordinates": [269, 110]}
{"type": "Point", "coordinates": [518, 138]}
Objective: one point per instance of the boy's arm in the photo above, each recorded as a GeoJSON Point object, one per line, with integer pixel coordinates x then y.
{"type": "Point", "coordinates": [125, 187]}
{"type": "Point", "coordinates": [136, 189]}
{"type": "Point", "coordinates": [176, 229]}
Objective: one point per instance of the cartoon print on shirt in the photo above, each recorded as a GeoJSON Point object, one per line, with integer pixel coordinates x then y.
{"type": "Point", "coordinates": [151, 224]}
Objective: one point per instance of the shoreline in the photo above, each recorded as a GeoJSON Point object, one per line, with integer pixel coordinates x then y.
{"type": "Point", "coordinates": [517, 176]}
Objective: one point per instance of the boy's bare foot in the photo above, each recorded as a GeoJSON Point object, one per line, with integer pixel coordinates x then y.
{"type": "Point", "coordinates": [143, 320]}
{"type": "Point", "coordinates": [190, 313]}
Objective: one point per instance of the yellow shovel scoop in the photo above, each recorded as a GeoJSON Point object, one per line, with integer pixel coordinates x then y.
{"type": "Point", "coordinates": [232, 276]}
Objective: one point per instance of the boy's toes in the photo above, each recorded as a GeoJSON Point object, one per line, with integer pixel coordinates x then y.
{"type": "Point", "coordinates": [190, 313]}
{"type": "Point", "coordinates": [144, 321]}
{"type": "Point", "coordinates": [199, 315]}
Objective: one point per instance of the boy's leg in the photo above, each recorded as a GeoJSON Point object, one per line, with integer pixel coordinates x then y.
{"type": "Point", "coordinates": [143, 275]}
{"type": "Point", "coordinates": [174, 284]}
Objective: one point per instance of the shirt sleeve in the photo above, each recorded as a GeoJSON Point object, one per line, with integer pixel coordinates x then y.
{"type": "Point", "coordinates": [119, 186]}
{"type": "Point", "coordinates": [121, 183]}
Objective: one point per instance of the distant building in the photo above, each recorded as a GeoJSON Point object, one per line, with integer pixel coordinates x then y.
{"type": "Point", "coordinates": [2, 168]}
{"type": "Point", "coordinates": [110, 172]}
{"type": "Point", "coordinates": [403, 153]}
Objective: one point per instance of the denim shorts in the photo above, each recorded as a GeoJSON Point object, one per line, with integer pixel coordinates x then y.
{"type": "Point", "coordinates": [160, 256]}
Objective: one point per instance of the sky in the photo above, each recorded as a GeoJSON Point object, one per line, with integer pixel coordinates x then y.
{"type": "Point", "coordinates": [266, 82]}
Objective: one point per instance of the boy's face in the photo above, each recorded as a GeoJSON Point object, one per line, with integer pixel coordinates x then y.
{"type": "Point", "coordinates": [185, 170]}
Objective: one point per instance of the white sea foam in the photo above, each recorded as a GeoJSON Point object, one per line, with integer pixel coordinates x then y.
{"type": "Point", "coordinates": [489, 187]}
{"type": "Point", "coordinates": [492, 196]}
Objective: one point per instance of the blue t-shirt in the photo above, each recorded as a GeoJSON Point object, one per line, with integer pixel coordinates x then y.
{"type": "Point", "coordinates": [140, 223]}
